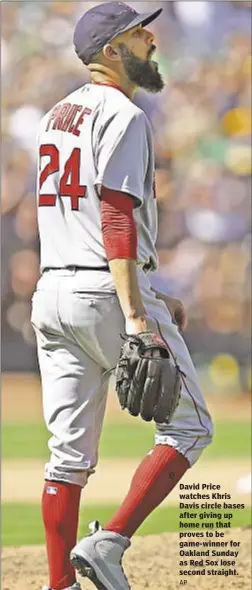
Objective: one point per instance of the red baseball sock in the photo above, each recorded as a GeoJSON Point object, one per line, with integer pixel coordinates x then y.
{"type": "Point", "coordinates": [60, 510]}
{"type": "Point", "coordinates": [154, 479]}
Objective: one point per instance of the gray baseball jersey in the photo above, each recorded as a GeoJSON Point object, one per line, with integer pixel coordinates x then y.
{"type": "Point", "coordinates": [95, 136]}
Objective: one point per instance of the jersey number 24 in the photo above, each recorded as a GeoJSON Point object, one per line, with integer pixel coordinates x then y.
{"type": "Point", "coordinates": [69, 183]}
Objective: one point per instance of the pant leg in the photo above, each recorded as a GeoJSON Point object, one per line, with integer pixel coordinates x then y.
{"type": "Point", "coordinates": [190, 430]}
{"type": "Point", "coordinates": [74, 395]}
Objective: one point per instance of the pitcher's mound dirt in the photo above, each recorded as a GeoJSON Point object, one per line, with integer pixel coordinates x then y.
{"type": "Point", "coordinates": [151, 563]}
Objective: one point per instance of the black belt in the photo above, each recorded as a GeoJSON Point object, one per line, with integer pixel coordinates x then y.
{"type": "Point", "coordinates": [146, 267]}
{"type": "Point", "coordinates": [75, 268]}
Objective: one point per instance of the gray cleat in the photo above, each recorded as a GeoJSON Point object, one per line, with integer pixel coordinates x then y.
{"type": "Point", "coordinates": [98, 557]}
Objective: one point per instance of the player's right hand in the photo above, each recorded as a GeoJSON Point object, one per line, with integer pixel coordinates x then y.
{"type": "Point", "coordinates": [136, 325]}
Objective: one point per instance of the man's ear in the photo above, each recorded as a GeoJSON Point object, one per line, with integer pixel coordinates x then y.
{"type": "Point", "coordinates": [111, 52]}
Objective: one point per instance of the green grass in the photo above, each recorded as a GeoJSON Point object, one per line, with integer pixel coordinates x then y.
{"type": "Point", "coordinates": [124, 440]}
{"type": "Point", "coordinates": [22, 524]}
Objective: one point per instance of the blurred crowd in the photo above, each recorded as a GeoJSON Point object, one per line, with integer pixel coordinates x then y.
{"type": "Point", "coordinates": [202, 129]}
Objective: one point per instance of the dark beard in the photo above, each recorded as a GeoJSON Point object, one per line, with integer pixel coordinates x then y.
{"type": "Point", "coordinates": [140, 71]}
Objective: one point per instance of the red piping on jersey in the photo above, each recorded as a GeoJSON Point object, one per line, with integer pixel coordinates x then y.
{"type": "Point", "coordinates": [118, 225]}
{"type": "Point", "coordinates": [112, 86]}
{"type": "Point", "coordinates": [184, 381]}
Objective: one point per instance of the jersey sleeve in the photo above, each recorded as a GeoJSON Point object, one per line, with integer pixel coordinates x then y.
{"type": "Point", "coordinates": [122, 155]}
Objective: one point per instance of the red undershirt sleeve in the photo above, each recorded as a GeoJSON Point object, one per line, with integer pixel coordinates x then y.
{"type": "Point", "coordinates": [118, 225]}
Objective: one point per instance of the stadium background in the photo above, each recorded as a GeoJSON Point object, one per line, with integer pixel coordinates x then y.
{"type": "Point", "coordinates": [202, 129]}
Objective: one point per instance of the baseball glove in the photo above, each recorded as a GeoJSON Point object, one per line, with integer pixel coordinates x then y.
{"type": "Point", "coordinates": [148, 381]}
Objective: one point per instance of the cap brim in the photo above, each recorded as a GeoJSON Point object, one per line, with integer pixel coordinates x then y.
{"type": "Point", "coordinates": [143, 19]}
{"type": "Point", "coordinates": [149, 17]}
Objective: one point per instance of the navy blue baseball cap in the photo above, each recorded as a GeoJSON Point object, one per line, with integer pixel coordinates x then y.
{"type": "Point", "coordinates": [103, 23]}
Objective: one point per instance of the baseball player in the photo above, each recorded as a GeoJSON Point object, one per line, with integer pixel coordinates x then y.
{"type": "Point", "coordinates": [97, 220]}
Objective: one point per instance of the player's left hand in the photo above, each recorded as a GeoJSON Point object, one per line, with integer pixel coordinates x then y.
{"type": "Point", "coordinates": [176, 309]}
{"type": "Point", "coordinates": [178, 313]}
